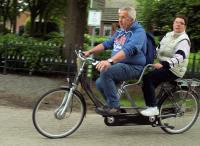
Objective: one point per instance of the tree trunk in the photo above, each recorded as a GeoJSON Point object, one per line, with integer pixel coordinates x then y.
{"type": "Point", "coordinates": [39, 26]}
{"type": "Point", "coordinates": [75, 23]}
{"type": "Point", "coordinates": [32, 28]}
{"type": "Point", "coordinates": [5, 15]}
{"type": "Point", "coordinates": [14, 16]}
{"type": "Point", "coordinates": [4, 24]}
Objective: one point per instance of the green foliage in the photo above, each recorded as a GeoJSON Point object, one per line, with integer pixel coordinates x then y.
{"type": "Point", "coordinates": [160, 14]}
{"type": "Point", "coordinates": [88, 40]}
{"type": "Point", "coordinates": [100, 56]}
{"type": "Point", "coordinates": [55, 37]}
{"type": "Point", "coordinates": [145, 16]}
{"type": "Point", "coordinates": [43, 30]}
{"type": "Point", "coordinates": [194, 61]}
{"type": "Point", "coordinates": [34, 49]}
{"type": "Point", "coordinates": [27, 28]}
{"type": "Point", "coordinates": [157, 39]}
{"type": "Point", "coordinates": [97, 40]}
{"type": "Point", "coordinates": [30, 49]}
{"type": "Point", "coordinates": [9, 10]}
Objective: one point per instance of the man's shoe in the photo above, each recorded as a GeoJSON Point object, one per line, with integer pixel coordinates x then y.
{"type": "Point", "coordinates": [114, 111]}
{"type": "Point", "coordinates": [101, 110]}
{"type": "Point", "coordinates": [107, 110]}
{"type": "Point", "coordinates": [151, 111]}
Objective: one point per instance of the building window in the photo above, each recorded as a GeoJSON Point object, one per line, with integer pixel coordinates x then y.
{"type": "Point", "coordinates": [107, 31]}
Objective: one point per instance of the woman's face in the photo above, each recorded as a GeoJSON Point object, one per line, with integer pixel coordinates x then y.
{"type": "Point", "coordinates": [179, 25]}
{"type": "Point", "coordinates": [124, 20]}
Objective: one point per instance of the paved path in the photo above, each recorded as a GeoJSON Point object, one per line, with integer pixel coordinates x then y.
{"type": "Point", "coordinates": [17, 130]}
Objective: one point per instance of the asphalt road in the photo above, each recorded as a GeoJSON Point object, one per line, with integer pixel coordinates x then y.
{"type": "Point", "coordinates": [17, 130]}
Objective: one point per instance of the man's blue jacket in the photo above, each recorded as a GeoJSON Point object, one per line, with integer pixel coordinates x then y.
{"type": "Point", "coordinates": [132, 42]}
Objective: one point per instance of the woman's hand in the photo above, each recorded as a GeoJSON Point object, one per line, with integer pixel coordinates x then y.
{"type": "Point", "coordinates": [103, 65]}
{"type": "Point", "coordinates": [157, 65]}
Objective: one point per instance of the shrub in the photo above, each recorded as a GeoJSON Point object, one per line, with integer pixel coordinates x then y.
{"type": "Point", "coordinates": [31, 49]}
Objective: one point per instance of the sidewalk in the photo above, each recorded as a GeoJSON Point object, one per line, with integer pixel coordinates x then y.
{"type": "Point", "coordinates": [18, 90]}
{"type": "Point", "coordinates": [17, 130]}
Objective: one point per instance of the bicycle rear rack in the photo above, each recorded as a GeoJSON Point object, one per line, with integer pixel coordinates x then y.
{"type": "Point", "coordinates": [188, 82]}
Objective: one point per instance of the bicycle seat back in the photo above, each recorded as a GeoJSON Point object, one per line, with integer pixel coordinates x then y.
{"type": "Point", "coordinates": [138, 80]}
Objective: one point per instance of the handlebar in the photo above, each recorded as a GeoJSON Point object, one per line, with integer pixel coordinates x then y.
{"type": "Point", "coordinates": [180, 82]}
{"type": "Point", "coordinates": [94, 62]}
{"type": "Point", "coordinates": [81, 56]}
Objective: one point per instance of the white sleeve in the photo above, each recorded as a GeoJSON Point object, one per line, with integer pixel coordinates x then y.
{"type": "Point", "coordinates": [182, 51]}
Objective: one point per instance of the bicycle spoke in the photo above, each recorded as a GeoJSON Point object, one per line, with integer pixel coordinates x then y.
{"type": "Point", "coordinates": [52, 121]}
{"type": "Point", "coordinates": [179, 112]}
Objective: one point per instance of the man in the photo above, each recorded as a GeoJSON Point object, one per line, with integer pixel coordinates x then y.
{"type": "Point", "coordinates": [173, 53]}
{"type": "Point", "coordinates": [127, 61]}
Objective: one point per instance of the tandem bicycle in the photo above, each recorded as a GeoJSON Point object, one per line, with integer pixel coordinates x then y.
{"type": "Point", "coordinates": [60, 112]}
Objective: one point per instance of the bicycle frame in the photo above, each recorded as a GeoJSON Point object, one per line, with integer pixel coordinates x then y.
{"type": "Point", "coordinates": [68, 104]}
{"type": "Point", "coordinates": [122, 90]}
{"type": "Point", "coordinates": [165, 88]}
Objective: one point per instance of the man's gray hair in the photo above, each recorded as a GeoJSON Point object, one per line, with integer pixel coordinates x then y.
{"type": "Point", "coordinates": [131, 12]}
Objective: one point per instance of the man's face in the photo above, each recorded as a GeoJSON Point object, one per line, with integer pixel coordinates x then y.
{"type": "Point", "coordinates": [179, 25]}
{"type": "Point", "coordinates": [124, 20]}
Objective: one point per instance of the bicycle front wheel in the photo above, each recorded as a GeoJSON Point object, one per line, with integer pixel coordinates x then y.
{"type": "Point", "coordinates": [47, 120]}
{"type": "Point", "coordinates": [179, 112]}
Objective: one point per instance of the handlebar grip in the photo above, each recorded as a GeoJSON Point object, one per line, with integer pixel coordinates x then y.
{"type": "Point", "coordinates": [81, 53]}
{"type": "Point", "coordinates": [82, 56]}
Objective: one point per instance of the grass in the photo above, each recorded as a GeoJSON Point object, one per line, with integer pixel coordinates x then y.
{"type": "Point", "coordinates": [194, 61]}
{"type": "Point", "coordinates": [134, 91]}
{"type": "Point", "coordinates": [136, 94]}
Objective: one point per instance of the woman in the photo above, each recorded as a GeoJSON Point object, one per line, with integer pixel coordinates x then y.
{"type": "Point", "coordinates": [173, 52]}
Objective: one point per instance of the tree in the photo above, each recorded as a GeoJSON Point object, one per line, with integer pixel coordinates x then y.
{"type": "Point", "coordinates": [5, 9]}
{"type": "Point", "coordinates": [75, 24]}
{"type": "Point", "coordinates": [13, 15]}
{"type": "Point", "coordinates": [9, 10]}
{"type": "Point", "coordinates": [36, 7]}
{"type": "Point", "coordinates": [146, 8]}
{"type": "Point", "coordinates": [193, 28]}
{"type": "Point", "coordinates": [163, 12]}
{"type": "Point", "coordinates": [44, 11]}
{"type": "Point", "coordinates": [74, 13]}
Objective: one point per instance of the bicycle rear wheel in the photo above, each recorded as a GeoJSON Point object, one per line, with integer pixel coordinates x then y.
{"type": "Point", "coordinates": [179, 112]}
{"type": "Point", "coordinates": [45, 114]}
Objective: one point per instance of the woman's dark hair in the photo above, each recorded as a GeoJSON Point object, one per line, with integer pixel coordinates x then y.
{"type": "Point", "coordinates": [182, 17]}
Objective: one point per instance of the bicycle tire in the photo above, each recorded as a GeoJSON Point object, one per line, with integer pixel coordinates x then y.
{"type": "Point", "coordinates": [176, 119]}
{"type": "Point", "coordinates": [45, 118]}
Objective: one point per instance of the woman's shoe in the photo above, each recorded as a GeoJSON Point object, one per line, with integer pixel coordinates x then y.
{"type": "Point", "coordinates": [151, 111]}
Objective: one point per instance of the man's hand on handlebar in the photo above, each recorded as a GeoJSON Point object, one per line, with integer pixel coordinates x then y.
{"type": "Point", "coordinates": [87, 53]}
{"type": "Point", "coordinates": [100, 66]}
